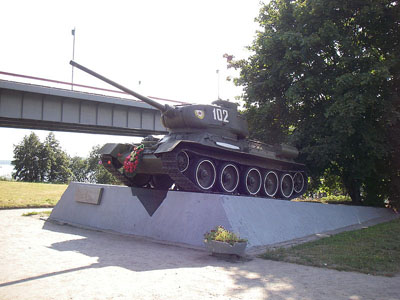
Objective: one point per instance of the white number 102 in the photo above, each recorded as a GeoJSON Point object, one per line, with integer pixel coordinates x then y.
{"type": "Point", "coordinates": [220, 115]}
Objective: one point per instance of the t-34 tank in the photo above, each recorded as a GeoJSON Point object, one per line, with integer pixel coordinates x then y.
{"type": "Point", "coordinates": [206, 150]}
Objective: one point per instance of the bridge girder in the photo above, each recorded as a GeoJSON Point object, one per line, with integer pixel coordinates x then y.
{"type": "Point", "coordinates": [37, 107]}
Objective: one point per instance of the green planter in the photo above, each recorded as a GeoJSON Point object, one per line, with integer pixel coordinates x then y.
{"type": "Point", "coordinates": [217, 247]}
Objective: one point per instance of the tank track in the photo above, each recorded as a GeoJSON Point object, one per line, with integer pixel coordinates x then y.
{"type": "Point", "coordinates": [105, 158]}
{"type": "Point", "coordinates": [170, 166]}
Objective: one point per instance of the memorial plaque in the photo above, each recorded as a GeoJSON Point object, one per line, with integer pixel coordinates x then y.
{"type": "Point", "coordinates": [88, 194]}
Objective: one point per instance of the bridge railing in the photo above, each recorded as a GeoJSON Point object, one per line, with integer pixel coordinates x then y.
{"type": "Point", "coordinates": [62, 84]}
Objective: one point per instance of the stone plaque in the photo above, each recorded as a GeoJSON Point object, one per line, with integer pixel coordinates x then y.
{"type": "Point", "coordinates": [88, 194]}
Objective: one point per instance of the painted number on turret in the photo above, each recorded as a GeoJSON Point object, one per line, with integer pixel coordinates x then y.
{"type": "Point", "coordinates": [220, 115]}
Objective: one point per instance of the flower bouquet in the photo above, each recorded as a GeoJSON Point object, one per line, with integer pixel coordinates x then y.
{"type": "Point", "coordinates": [132, 160]}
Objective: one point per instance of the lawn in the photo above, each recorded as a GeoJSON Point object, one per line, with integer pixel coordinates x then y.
{"type": "Point", "coordinates": [26, 194]}
{"type": "Point", "coordinates": [327, 200]}
{"type": "Point", "coordinates": [374, 250]}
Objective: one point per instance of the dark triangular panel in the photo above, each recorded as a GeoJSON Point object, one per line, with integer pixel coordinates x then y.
{"type": "Point", "coordinates": [150, 199]}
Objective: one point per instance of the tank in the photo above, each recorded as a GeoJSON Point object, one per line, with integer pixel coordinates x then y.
{"type": "Point", "coordinates": [206, 150]}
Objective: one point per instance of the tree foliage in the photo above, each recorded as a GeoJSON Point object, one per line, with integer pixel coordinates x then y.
{"type": "Point", "coordinates": [90, 170]}
{"type": "Point", "coordinates": [56, 161]}
{"type": "Point", "coordinates": [79, 169]}
{"type": "Point", "coordinates": [97, 172]}
{"type": "Point", "coordinates": [324, 75]}
{"type": "Point", "coordinates": [40, 162]}
{"type": "Point", "coordinates": [35, 161]}
{"type": "Point", "coordinates": [27, 159]}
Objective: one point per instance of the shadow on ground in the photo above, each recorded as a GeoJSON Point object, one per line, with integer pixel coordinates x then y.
{"type": "Point", "coordinates": [266, 279]}
{"type": "Point", "coordinates": [125, 251]}
{"type": "Point", "coordinates": [140, 255]}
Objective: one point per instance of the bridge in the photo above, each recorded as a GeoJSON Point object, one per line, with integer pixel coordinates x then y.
{"type": "Point", "coordinates": [31, 106]}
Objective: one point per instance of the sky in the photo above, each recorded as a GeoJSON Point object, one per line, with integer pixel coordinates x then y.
{"type": "Point", "coordinates": [173, 48]}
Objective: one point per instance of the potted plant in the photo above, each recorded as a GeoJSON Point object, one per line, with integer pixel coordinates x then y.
{"type": "Point", "coordinates": [222, 241]}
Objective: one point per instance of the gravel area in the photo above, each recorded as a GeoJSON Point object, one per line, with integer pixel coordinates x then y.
{"type": "Point", "coordinates": [44, 260]}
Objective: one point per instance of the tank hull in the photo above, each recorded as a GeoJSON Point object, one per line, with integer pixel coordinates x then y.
{"type": "Point", "coordinates": [160, 166]}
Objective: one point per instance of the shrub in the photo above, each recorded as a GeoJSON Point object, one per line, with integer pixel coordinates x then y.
{"type": "Point", "coordinates": [334, 198]}
{"type": "Point", "coordinates": [223, 235]}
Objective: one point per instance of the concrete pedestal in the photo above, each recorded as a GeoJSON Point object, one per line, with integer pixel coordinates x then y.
{"type": "Point", "coordinates": [183, 217]}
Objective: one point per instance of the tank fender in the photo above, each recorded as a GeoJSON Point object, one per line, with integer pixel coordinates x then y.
{"type": "Point", "coordinates": [286, 151]}
{"type": "Point", "coordinates": [167, 146]}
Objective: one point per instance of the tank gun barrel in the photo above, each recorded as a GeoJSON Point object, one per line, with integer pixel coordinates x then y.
{"type": "Point", "coordinates": [159, 106]}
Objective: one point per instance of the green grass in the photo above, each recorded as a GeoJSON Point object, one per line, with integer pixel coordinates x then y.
{"type": "Point", "coordinates": [374, 250]}
{"type": "Point", "coordinates": [332, 199]}
{"type": "Point", "coordinates": [15, 194]}
{"type": "Point", "coordinates": [37, 213]}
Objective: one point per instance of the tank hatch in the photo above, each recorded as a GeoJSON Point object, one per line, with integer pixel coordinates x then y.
{"type": "Point", "coordinates": [225, 103]}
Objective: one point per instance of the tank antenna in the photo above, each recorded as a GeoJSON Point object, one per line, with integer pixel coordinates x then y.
{"type": "Point", "coordinates": [73, 58]}
{"type": "Point", "coordinates": [218, 84]}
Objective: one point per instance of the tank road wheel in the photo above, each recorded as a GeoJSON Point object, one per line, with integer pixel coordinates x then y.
{"type": "Point", "coordinates": [286, 187]}
{"type": "Point", "coordinates": [228, 178]}
{"type": "Point", "coordinates": [271, 184]}
{"type": "Point", "coordinates": [252, 181]}
{"type": "Point", "coordinates": [161, 182]}
{"type": "Point", "coordinates": [298, 182]}
{"type": "Point", "coordinates": [183, 161]}
{"type": "Point", "coordinates": [205, 174]}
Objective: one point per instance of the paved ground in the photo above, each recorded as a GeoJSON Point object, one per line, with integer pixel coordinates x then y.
{"type": "Point", "coordinates": [42, 260]}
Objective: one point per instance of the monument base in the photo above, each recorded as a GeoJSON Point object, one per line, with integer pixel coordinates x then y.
{"type": "Point", "coordinates": [183, 217]}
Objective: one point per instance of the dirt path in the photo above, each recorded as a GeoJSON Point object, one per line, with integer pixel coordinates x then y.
{"type": "Point", "coordinates": [42, 260]}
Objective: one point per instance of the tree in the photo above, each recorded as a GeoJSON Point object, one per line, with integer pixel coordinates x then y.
{"type": "Point", "coordinates": [324, 75]}
{"type": "Point", "coordinates": [56, 161]}
{"type": "Point", "coordinates": [96, 171]}
{"type": "Point", "coordinates": [90, 170]}
{"type": "Point", "coordinates": [45, 162]}
{"type": "Point", "coordinates": [79, 169]}
{"type": "Point", "coordinates": [27, 158]}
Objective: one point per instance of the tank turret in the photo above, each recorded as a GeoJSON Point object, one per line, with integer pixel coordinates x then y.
{"type": "Point", "coordinates": [206, 150]}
